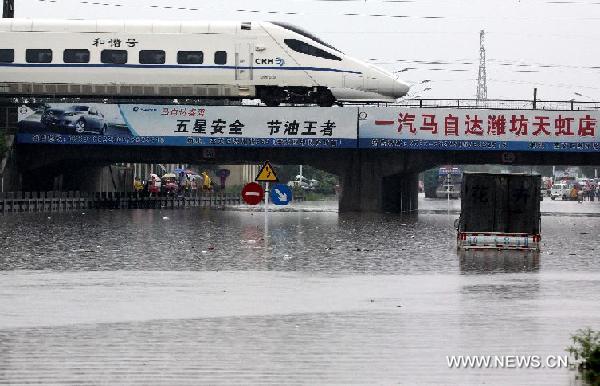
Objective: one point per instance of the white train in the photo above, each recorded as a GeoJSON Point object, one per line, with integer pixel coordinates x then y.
{"type": "Point", "coordinates": [272, 61]}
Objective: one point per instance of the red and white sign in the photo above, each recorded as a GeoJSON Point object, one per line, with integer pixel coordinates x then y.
{"type": "Point", "coordinates": [253, 193]}
{"type": "Point", "coordinates": [519, 129]}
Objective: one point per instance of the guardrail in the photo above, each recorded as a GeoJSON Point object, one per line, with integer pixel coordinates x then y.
{"type": "Point", "coordinates": [70, 201]}
{"type": "Point", "coordinates": [500, 104]}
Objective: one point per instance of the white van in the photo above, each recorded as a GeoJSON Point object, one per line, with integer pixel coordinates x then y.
{"type": "Point", "coordinates": [303, 182]}
{"type": "Point", "coordinates": [560, 190]}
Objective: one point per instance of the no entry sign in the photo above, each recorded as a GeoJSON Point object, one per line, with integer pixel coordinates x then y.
{"type": "Point", "coordinates": [253, 193]}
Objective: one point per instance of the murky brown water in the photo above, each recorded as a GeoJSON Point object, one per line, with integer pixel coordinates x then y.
{"type": "Point", "coordinates": [202, 297]}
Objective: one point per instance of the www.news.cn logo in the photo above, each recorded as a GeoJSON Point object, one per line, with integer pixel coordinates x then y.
{"type": "Point", "coordinates": [507, 361]}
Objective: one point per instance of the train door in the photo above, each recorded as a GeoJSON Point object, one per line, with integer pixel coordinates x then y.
{"type": "Point", "coordinates": [355, 81]}
{"type": "Point", "coordinates": [371, 83]}
{"type": "Point", "coordinates": [244, 61]}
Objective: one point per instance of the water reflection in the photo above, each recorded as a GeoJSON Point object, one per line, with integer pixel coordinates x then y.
{"type": "Point", "coordinates": [320, 241]}
{"type": "Point", "coordinates": [497, 261]}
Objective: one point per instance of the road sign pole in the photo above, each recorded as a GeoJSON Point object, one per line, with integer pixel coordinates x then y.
{"type": "Point", "coordinates": [266, 211]}
{"type": "Point", "coordinates": [266, 175]}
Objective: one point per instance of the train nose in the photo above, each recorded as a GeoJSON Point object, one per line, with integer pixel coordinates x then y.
{"type": "Point", "coordinates": [393, 86]}
{"type": "Point", "coordinates": [400, 88]}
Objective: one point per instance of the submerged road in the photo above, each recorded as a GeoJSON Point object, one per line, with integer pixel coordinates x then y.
{"type": "Point", "coordinates": [202, 297]}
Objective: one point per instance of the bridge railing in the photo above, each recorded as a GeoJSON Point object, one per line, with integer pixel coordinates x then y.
{"type": "Point", "coordinates": [507, 104]}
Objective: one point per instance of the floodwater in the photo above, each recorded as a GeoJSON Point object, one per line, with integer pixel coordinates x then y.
{"type": "Point", "coordinates": [206, 297]}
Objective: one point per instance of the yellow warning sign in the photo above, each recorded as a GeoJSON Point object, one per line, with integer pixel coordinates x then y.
{"type": "Point", "coordinates": [267, 174]}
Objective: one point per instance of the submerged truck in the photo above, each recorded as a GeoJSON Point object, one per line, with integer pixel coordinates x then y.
{"type": "Point", "coordinates": [499, 211]}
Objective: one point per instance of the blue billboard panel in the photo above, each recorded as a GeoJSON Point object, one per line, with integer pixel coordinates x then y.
{"type": "Point", "coordinates": [478, 129]}
{"type": "Point", "coordinates": [186, 125]}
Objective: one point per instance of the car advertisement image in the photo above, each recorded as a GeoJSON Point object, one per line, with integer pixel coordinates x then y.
{"type": "Point", "coordinates": [72, 119]}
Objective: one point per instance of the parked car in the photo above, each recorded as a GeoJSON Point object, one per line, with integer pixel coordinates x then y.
{"type": "Point", "coordinates": [75, 120]}
{"type": "Point", "coordinates": [560, 190]}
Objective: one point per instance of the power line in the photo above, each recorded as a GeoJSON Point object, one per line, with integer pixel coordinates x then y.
{"type": "Point", "coordinates": [348, 14]}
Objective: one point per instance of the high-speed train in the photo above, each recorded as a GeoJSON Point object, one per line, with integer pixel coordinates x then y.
{"type": "Point", "coordinates": [272, 61]}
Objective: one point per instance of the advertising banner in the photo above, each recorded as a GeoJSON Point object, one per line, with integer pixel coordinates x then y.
{"type": "Point", "coordinates": [186, 125]}
{"type": "Point", "coordinates": [479, 129]}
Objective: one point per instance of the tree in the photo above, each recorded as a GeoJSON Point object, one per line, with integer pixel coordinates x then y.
{"type": "Point", "coordinates": [586, 351]}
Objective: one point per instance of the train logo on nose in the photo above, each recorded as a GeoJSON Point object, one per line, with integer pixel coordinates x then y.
{"type": "Point", "coordinates": [277, 61]}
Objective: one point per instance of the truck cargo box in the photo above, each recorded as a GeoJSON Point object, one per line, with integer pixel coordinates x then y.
{"type": "Point", "coordinates": [499, 211]}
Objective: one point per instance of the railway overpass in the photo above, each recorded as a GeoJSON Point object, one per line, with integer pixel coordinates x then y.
{"type": "Point", "coordinates": [377, 151]}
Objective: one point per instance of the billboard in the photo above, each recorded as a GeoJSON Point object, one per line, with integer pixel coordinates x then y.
{"type": "Point", "coordinates": [478, 129]}
{"type": "Point", "coordinates": [432, 129]}
{"type": "Point", "coordinates": [186, 125]}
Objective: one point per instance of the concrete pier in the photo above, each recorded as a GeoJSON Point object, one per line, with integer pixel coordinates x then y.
{"type": "Point", "coordinates": [377, 184]}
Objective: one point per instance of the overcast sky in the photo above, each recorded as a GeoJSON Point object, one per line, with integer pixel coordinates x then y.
{"type": "Point", "coordinates": [549, 44]}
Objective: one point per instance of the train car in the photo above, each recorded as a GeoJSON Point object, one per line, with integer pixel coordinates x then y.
{"type": "Point", "coordinates": [272, 61]}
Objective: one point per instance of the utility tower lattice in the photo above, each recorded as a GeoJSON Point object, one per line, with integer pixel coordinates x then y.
{"type": "Point", "coordinates": [481, 79]}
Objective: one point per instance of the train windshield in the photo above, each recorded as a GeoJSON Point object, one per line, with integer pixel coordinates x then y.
{"type": "Point", "coordinates": [305, 48]}
{"type": "Point", "coordinates": [304, 33]}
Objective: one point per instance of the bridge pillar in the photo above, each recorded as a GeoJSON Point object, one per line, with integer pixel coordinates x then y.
{"type": "Point", "coordinates": [368, 185]}
{"type": "Point", "coordinates": [400, 193]}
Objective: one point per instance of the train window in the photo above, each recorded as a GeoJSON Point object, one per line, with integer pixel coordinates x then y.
{"type": "Point", "coordinates": [305, 48]}
{"type": "Point", "coordinates": [38, 56]}
{"type": "Point", "coordinates": [113, 56]}
{"type": "Point", "coordinates": [76, 56]}
{"type": "Point", "coordinates": [220, 57]}
{"type": "Point", "coordinates": [152, 57]}
{"type": "Point", "coordinates": [190, 57]}
{"type": "Point", "coordinates": [7, 55]}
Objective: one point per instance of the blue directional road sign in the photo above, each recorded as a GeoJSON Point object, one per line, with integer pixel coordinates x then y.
{"type": "Point", "coordinates": [281, 194]}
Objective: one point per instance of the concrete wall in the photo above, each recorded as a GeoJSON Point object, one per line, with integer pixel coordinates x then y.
{"type": "Point", "coordinates": [98, 179]}
{"type": "Point", "coordinates": [85, 178]}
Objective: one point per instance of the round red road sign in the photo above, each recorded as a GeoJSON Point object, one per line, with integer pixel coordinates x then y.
{"type": "Point", "coordinates": [253, 193]}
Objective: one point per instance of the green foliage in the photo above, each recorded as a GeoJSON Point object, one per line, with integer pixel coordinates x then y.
{"type": "Point", "coordinates": [326, 181]}
{"type": "Point", "coordinates": [586, 351]}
